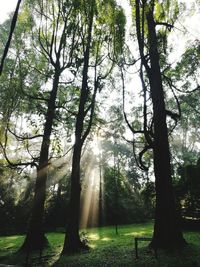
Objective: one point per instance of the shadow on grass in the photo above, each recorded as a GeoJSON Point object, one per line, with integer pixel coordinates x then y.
{"type": "Point", "coordinates": [124, 257]}
{"type": "Point", "coordinates": [33, 259]}
{"type": "Point", "coordinates": [10, 254]}
{"type": "Point", "coordinates": [106, 250]}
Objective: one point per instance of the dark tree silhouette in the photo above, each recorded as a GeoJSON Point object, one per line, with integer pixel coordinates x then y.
{"type": "Point", "coordinates": [167, 233]}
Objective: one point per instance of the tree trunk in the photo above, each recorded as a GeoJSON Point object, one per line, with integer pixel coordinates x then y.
{"type": "Point", "coordinates": [167, 233]}
{"type": "Point", "coordinates": [35, 238]}
{"type": "Point", "coordinates": [72, 239]}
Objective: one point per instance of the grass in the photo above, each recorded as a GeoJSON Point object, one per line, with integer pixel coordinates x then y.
{"type": "Point", "coordinates": [107, 250]}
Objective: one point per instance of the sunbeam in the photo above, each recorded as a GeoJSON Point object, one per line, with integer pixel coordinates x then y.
{"type": "Point", "coordinates": [92, 189]}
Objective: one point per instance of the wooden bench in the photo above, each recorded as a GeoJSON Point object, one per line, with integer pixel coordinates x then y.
{"type": "Point", "coordinates": [142, 239]}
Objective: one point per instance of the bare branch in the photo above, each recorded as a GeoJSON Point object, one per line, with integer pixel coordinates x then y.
{"type": "Point", "coordinates": [18, 164]}
{"type": "Point", "coordinates": [141, 154]}
{"type": "Point", "coordinates": [169, 26]}
{"type": "Point", "coordinates": [25, 137]}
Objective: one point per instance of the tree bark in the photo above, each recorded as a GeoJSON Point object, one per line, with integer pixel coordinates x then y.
{"type": "Point", "coordinates": [72, 238]}
{"type": "Point", "coordinates": [35, 238]}
{"type": "Point", "coordinates": [167, 233]}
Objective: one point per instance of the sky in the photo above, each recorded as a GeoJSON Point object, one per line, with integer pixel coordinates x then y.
{"type": "Point", "coordinates": [6, 6]}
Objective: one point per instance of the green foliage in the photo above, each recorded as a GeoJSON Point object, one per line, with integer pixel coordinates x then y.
{"type": "Point", "coordinates": [112, 17]}
{"type": "Point", "coordinates": [149, 196]}
{"type": "Point", "coordinates": [122, 203]}
{"type": "Point", "coordinates": [188, 67]}
{"type": "Point", "coordinates": [56, 207]}
{"type": "Point", "coordinates": [15, 199]}
{"type": "Point", "coordinates": [188, 189]}
{"type": "Point", "coordinates": [84, 238]}
{"type": "Point", "coordinates": [166, 11]}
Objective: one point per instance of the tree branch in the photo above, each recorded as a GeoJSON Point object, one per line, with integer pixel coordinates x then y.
{"type": "Point", "coordinates": [169, 26]}
{"type": "Point", "coordinates": [23, 138]}
{"type": "Point", "coordinates": [141, 154]}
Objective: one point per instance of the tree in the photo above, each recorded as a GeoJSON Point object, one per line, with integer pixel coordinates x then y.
{"type": "Point", "coordinates": [55, 52]}
{"type": "Point", "coordinates": [72, 239]}
{"type": "Point", "coordinates": [96, 42]}
{"type": "Point", "coordinates": [54, 46]}
{"type": "Point", "coordinates": [167, 231]}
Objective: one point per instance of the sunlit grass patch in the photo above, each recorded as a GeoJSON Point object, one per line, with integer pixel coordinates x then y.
{"type": "Point", "coordinates": [10, 244]}
{"type": "Point", "coordinates": [93, 236]}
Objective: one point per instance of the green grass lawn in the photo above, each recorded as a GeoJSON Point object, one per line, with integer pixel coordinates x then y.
{"type": "Point", "coordinates": [106, 249]}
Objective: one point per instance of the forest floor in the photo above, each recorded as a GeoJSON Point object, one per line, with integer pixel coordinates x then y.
{"type": "Point", "coordinates": [107, 249]}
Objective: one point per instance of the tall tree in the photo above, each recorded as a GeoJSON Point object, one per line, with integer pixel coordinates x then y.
{"type": "Point", "coordinates": [56, 49]}
{"type": "Point", "coordinates": [72, 239]}
{"type": "Point", "coordinates": [97, 47]}
{"type": "Point", "coordinates": [167, 231]}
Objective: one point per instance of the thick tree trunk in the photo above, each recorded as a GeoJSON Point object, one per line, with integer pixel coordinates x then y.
{"type": "Point", "coordinates": [167, 233]}
{"type": "Point", "coordinates": [35, 238]}
{"type": "Point", "coordinates": [72, 239]}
